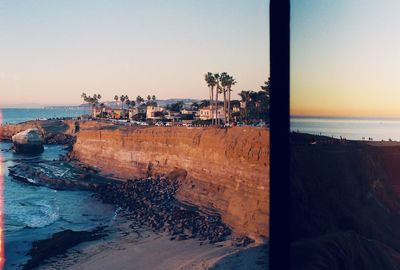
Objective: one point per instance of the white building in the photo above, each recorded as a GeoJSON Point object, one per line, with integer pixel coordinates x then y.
{"type": "Point", "coordinates": [151, 111]}
{"type": "Point", "coordinates": [186, 111]}
{"type": "Point", "coordinates": [206, 113]}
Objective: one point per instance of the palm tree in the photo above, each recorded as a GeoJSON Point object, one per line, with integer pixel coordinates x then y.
{"type": "Point", "coordinates": [85, 98]}
{"type": "Point", "coordinates": [224, 83]}
{"type": "Point", "coordinates": [211, 82]}
{"type": "Point", "coordinates": [122, 99]}
{"type": "Point", "coordinates": [128, 103]}
{"type": "Point", "coordinates": [102, 106]}
{"type": "Point", "coordinates": [139, 100]}
{"type": "Point", "coordinates": [94, 101]}
{"type": "Point", "coordinates": [267, 85]}
{"type": "Point", "coordinates": [246, 98]}
{"type": "Point", "coordinates": [116, 98]}
{"type": "Point", "coordinates": [153, 100]}
{"type": "Point", "coordinates": [231, 81]}
{"type": "Point", "coordinates": [218, 89]}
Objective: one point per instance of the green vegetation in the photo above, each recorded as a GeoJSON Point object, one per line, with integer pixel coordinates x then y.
{"type": "Point", "coordinates": [255, 105]}
{"type": "Point", "coordinates": [175, 107]}
{"type": "Point", "coordinates": [93, 101]}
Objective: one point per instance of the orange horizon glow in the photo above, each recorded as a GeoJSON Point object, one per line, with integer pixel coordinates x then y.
{"type": "Point", "coordinates": [330, 111]}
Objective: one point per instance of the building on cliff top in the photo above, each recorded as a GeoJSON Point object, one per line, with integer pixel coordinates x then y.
{"type": "Point", "coordinates": [206, 113]}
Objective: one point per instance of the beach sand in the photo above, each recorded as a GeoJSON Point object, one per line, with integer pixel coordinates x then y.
{"type": "Point", "coordinates": [133, 248]}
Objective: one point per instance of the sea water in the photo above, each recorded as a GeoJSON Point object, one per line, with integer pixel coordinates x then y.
{"type": "Point", "coordinates": [32, 213]}
{"type": "Point", "coordinates": [350, 128]}
{"type": "Point", "coordinates": [18, 115]}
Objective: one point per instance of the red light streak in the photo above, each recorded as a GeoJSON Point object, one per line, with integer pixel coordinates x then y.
{"type": "Point", "coordinates": [2, 258]}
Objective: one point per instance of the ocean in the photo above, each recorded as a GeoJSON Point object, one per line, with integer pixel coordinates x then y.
{"type": "Point", "coordinates": [32, 213]}
{"type": "Point", "coordinates": [350, 128]}
{"type": "Point", "coordinates": [25, 114]}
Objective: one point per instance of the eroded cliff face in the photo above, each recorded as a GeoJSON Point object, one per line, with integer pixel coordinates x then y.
{"type": "Point", "coordinates": [221, 170]}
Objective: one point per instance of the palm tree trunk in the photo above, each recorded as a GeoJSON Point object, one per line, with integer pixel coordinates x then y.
{"type": "Point", "coordinates": [212, 105]}
{"type": "Point", "coordinates": [224, 105]}
{"type": "Point", "coordinates": [229, 105]}
{"type": "Point", "coordinates": [216, 107]}
{"type": "Point", "coordinates": [209, 93]}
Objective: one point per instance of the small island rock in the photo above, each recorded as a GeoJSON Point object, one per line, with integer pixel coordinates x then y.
{"type": "Point", "coordinates": [29, 141]}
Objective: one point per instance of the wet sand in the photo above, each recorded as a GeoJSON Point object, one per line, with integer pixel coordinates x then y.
{"type": "Point", "coordinates": [137, 248]}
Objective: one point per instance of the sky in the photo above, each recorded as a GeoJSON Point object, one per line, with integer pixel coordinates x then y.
{"type": "Point", "coordinates": [52, 51]}
{"type": "Point", "coordinates": [345, 58]}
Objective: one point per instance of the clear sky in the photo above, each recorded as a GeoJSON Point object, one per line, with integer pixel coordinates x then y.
{"type": "Point", "coordinates": [52, 51]}
{"type": "Point", "coordinates": [345, 58]}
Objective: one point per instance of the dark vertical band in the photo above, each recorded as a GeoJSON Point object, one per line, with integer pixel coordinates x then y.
{"type": "Point", "coordinates": [279, 126]}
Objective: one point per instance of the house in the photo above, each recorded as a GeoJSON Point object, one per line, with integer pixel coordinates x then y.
{"type": "Point", "coordinates": [132, 112]}
{"type": "Point", "coordinates": [206, 114]}
{"type": "Point", "coordinates": [108, 112]}
{"type": "Point", "coordinates": [152, 112]}
{"type": "Point", "coordinates": [172, 115]}
{"type": "Point", "coordinates": [142, 108]}
{"type": "Point", "coordinates": [114, 113]}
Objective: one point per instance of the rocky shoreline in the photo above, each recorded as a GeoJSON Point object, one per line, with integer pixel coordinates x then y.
{"type": "Point", "coordinates": [152, 201]}
{"type": "Point", "coordinates": [149, 203]}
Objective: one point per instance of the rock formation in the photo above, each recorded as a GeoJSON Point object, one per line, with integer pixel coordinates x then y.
{"type": "Point", "coordinates": [29, 141]}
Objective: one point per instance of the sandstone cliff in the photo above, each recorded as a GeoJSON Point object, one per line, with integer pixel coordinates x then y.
{"type": "Point", "coordinates": [221, 170]}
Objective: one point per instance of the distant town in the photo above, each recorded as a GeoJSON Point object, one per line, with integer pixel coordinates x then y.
{"type": "Point", "coordinates": [251, 109]}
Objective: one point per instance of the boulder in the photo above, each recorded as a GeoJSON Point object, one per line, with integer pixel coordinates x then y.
{"type": "Point", "coordinates": [29, 141]}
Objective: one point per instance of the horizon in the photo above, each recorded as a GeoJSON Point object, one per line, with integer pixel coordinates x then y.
{"type": "Point", "coordinates": [129, 47]}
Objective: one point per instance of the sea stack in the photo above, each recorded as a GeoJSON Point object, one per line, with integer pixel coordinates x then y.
{"type": "Point", "coordinates": [29, 141]}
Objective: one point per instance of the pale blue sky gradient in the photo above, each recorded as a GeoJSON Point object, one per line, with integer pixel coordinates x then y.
{"type": "Point", "coordinates": [345, 58]}
{"type": "Point", "coordinates": [53, 50]}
